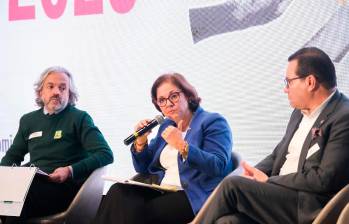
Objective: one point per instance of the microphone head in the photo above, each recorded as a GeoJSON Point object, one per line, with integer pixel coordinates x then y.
{"type": "Point", "coordinates": [160, 119]}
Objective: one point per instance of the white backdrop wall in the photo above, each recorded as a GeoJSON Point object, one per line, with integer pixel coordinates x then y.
{"type": "Point", "coordinates": [236, 62]}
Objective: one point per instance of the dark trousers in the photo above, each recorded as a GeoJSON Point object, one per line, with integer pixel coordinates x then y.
{"type": "Point", "coordinates": [45, 198]}
{"type": "Point", "coordinates": [133, 204]}
{"type": "Point", "coordinates": [241, 200]}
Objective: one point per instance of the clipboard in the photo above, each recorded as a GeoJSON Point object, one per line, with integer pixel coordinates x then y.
{"type": "Point", "coordinates": [161, 188]}
{"type": "Point", "coordinates": [15, 183]}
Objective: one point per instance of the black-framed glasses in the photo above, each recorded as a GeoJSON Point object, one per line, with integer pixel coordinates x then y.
{"type": "Point", "coordinates": [173, 98]}
{"type": "Point", "coordinates": [289, 81]}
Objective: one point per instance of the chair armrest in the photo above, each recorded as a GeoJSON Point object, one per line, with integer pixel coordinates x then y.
{"type": "Point", "coordinates": [333, 208]}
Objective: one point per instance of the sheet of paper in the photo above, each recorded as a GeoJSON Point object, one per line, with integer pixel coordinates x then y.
{"type": "Point", "coordinates": [15, 183]}
{"type": "Point", "coordinates": [42, 172]}
{"type": "Point", "coordinates": [11, 208]}
{"type": "Point", "coordinates": [169, 188]}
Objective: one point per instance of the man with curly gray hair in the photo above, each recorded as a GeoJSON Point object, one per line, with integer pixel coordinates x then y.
{"type": "Point", "coordinates": [73, 94]}
{"type": "Point", "coordinates": [61, 140]}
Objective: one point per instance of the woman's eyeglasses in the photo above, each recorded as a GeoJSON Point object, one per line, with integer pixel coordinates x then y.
{"type": "Point", "coordinates": [173, 98]}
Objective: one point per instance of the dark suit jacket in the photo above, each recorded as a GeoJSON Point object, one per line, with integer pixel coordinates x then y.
{"type": "Point", "coordinates": [324, 172]}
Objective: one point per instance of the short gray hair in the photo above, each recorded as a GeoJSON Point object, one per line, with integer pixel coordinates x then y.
{"type": "Point", "coordinates": [73, 94]}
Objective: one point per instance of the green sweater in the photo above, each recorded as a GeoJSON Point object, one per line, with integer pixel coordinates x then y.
{"type": "Point", "coordinates": [67, 138]}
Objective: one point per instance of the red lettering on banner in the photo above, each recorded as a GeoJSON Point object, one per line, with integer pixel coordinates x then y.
{"type": "Point", "coordinates": [87, 7]}
{"type": "Point", "coordinates": [122, 6]}
{"type": "Point", "coordinates": [17, 12]}
{"type": "Point", "coordinates": [54, 11]}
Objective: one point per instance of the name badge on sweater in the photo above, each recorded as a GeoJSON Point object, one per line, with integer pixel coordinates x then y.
{"type": "Point", "coordinates": [35, 135]}
{"type": "Point", "coordinates": [58, 134]}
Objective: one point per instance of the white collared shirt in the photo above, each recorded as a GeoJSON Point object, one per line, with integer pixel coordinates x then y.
{"type": "Point", "coordinates": [298, 139]}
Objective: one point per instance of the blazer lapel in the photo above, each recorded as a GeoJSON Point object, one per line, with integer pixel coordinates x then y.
{"type": "Point", "coordinates": [193, 123]}
{"type": "Point", "coordinates": [330, 108]}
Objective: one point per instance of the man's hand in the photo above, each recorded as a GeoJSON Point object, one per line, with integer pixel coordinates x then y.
{"type": "Point", "coordinates": [253, 173]}
{"type": "Point", "coordinates": [60, 174]}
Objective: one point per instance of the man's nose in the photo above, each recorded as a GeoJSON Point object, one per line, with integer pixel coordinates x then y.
{"type": "Point", "coordinates": [56, 91]}
{"type": "Point", "coordinates": [285, 89]}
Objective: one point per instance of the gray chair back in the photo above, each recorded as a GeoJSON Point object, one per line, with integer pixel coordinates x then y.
{"type": "Point", "coordinates": [85, 204]}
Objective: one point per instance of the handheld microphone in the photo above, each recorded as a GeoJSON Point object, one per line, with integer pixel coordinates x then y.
{"type": "Point", "coordinates": [153, 123]}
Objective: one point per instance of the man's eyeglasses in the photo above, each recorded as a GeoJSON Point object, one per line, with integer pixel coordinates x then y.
{"type": "Point", "coordinates": [173, 98]}
{"type": "Point", "coordinates": [289, 81]}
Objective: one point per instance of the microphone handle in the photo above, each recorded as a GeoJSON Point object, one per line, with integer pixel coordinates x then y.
{"type": "Point", "coordinates": [129, 139]}
{"type": "Point", "coordinates": [140, 132]}
{"type": "Point", "coordinates": [147, 128]}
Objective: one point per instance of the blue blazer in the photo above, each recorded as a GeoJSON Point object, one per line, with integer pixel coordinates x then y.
{"type": "Point", "coordinates": [209, 157]}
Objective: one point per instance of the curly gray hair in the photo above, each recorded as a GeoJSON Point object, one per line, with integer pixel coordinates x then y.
{"type": "Point", "coordinates": [73, 94]}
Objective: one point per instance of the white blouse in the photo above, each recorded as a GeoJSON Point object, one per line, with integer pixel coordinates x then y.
{"type": "Point", "coordinates": [169, 161]}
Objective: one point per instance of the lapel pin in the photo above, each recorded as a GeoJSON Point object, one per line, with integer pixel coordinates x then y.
{"type": "Point", "coordinates": [315, 132]}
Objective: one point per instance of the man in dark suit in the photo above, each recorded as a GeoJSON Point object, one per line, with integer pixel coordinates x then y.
{"type": "Point", "coordinates": [308, 166]}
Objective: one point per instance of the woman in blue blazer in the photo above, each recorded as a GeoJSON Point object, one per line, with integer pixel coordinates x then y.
{"type": "Point", "coordinates": [191, 151]}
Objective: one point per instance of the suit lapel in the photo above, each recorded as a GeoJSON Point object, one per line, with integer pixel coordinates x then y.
{"type": "Point", "coordinates": [323, 117]}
